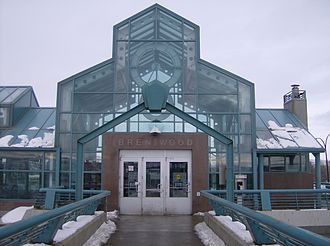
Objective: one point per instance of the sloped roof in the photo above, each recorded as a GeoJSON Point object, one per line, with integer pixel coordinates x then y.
{"type": "Point", "coordinates": [278, 130]}
{"type": "Point", "coordinates": [11, 94]}
{"type": "Point", "coordinates": [35, 130]}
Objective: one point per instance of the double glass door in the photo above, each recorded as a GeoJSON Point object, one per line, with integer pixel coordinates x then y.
{"type": "Point", "coordinates": [155, 182]}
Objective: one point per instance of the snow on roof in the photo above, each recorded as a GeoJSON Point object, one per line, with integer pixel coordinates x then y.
{"type": "Point", "coordinates": [287, 137]}
{"type": "Point", "coordinates": [4, 141]}
{"type": "Point", "coordinates": [47, 141]}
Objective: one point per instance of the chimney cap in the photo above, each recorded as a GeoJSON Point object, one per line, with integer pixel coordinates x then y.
{"type": "Point", "coordinates": [295, 85]}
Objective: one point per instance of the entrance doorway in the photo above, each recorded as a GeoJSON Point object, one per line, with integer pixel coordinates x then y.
{"type": "Point", "coordinates": [155, 182]}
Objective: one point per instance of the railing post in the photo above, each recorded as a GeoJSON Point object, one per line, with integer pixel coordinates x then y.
{"type": "Point", "coordinates": [317, 178]}
{"type": "Point", "coordinates": [50, 199]}
{"type": "Point", "coordinates": [265, 200]}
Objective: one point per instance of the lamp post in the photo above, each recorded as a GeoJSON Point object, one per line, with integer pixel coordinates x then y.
{"type": "Point", "coordinates": [326, 154]}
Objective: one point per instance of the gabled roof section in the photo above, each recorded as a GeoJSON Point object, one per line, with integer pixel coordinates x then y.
{"type": "Point", "coordinates": [34, 130]}
{"type": "Point", "coordinates": [11, 94]}
{"type": "Point", "coordinates": [155, 23]}
{"type": "Point", "coordinates": [280, 130]}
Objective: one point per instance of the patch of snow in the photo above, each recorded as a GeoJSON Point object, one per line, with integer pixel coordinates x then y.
{"type": "Point", "coordinates": [71, 227]}
{"type": "Point", "coordinates": [199, 214]}
{"type": "Point", "coordinates": [51, 127]}
{"type": "Point", "coordinates": [15, 215]}
{"type": "Point", "coordinates": [4, 141]}
{"type": "Point", "coordinates": [236, 227]}
{"type": "Point", "coordinates": [112, 215]}
{"type": "Point", "coordinates": [102, 235]}
{"type": "Point", "coordinates": [287, 137]}
{"type": "Point", "coordinates": [207, 236]}
{"type": "Point", "coordinates": [270, 143]}
{"type": "Point", "coordinates": [36, 244]}
{"type": "Point", "coordinates": [47, 141]}
{"type": "Point", "coordinates": [24, 141]}
{"type": "Point", "coordinates": [34, 128]}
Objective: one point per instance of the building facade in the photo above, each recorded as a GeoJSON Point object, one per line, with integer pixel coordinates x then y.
{"type": "Point", "coordinates": [158, 160]}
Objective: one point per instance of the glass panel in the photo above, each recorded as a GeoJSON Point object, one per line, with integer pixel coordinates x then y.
{"type": "Point", "coordinates": [169, 27]}
{"type": "Point", "coordinates": [4, 117]}
{"type": "Point", "coordinates": [152, 179]}
{"type": "Point", "coordinates": [245, 124]}
{"type": "Point", "coordinates": [189, 32]}
{"type": "Point", "coordinates": [245, 96]}
{"type": "Point", "coordinates": [92, 161]}
{"type": "Point", "coordinates": [19, 185]}
{"type": "Point", "coordinates": [212, 81]}
{"type": "Point", "coordinates": [50, 161]}
{"type": "Point", "coordinates": [5, 93]}
{"type": "Point", "coordinates": [65, 122]}
{"type": "Point", "coordinates": [100, 80]}
{"type": "Point", "coordinates": [49, 179]}
{"type": "Point", "coordinates": [93, 102]}
{"type": "Point", "coordinates": [14, 95]}
{"type": "Point", "coordinates": [92, 181]}
{"type": "Point", "coordinates": [218, 103]}
{"type": "Point", "coordinates": [65, 180]}
{"type": "Point", "coordinates": [282, 117]}
{"type": "Point", "coordinates": [130, 179]}
{"type": "Point", "coordinates": [178, 179]}
{"type": "Point", "coordinates": [277, 164]}
{"type": "Point", "coordinates": [66, 96]}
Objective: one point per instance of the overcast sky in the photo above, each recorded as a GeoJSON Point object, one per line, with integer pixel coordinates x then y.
{"type": "Point", "coordinates": [272, 43]}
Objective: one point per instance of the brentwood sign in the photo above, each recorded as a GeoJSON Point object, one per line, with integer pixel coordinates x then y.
{"type": "Point", "coordinates": [154, 142]}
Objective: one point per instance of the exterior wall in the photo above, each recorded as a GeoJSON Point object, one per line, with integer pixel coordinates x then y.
{"type": "Point", "coordinates": [196, 142]}
{"type": "Point", "coordinates": [299, 108]}
{"type": "Point", "coordinates": [288, 180]}
{"type": "Point", "coordinates": [7, 205]}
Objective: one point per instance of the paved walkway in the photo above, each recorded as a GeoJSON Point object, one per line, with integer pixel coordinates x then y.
{"type": "Point", "coordinates": [155, 230]}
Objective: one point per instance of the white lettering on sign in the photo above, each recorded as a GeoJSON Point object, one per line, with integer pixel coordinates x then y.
{"type": "Point", "coordinates": [155, 142]}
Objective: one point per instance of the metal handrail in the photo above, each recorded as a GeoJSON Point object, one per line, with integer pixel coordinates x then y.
{"type": "Point", "coordinates": [279, 199]}
{"type": "Point", "coordinates": [53, 218]}
{"type": "Point", "coordinates": [263, 228]}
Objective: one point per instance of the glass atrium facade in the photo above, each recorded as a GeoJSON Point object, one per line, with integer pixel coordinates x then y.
{"type": "Point", "coordinates": [155, 44]}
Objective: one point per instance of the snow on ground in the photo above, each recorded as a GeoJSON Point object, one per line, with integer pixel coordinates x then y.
{"type": "Point", "coordinates": [207, 236]}
{"type": "Point", "coordinates": [71, 227]}
{"type": "Point", "coordinates": [237, 227]}
{"type": "Point", "coordinates": [15, 215]}
{"type": "Point", "coordinates": [100, 237]}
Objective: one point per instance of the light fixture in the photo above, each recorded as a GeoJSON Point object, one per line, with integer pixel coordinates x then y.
{"type": "Point", "coordinates": [155, 131]}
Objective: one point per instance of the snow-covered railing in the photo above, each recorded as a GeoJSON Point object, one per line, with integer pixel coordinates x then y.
{"type": "Point", "coordinates": [263, 228]}
{"type": "Point", "coordinates": [280, 199]}
{"type": "Point", "coordinates": [42, 228]}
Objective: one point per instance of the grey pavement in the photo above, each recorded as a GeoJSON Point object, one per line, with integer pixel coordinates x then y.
{"type": "Point", "coordinates": [155, 231]}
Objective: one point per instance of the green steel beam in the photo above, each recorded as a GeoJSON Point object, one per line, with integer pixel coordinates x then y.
{"type": "Point", "coordinates": [58, 166]}
{"type": "Point", "coordinates": [151, 106]}
{"type": "Point", "coordinates": [93, 134]}
{"type": "Point", "coordinates": [213, 133]}
{"type": "Point", "coordinates": [255, 169]}
{"type": "Point", "coordinates": [116, 121]}
{"type": "Point", "coordinates": [261, 171]}
{"type": "Point", "coordinates": [317, 170]}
